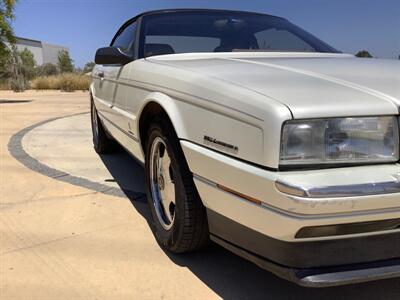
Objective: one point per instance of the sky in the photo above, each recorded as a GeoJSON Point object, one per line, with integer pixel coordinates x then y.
{"type": "Point", "coordinates": [85, 25]}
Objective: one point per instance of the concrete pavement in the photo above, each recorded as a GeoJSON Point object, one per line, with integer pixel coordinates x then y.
{"type": "Point", "coordinates": [74, 225]}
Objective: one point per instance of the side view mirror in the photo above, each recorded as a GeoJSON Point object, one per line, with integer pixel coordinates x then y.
{"type": "Point", "coordinates": [112, 56]}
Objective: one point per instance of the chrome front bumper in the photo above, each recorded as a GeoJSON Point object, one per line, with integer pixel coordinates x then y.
{"type": "Point", "coordinates": [336, 191]}
{"type": "Point", "coordinates": [279, 204]}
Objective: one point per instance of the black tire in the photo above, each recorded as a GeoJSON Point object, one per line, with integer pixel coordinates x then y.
{"type": "Point", "coordinates": [102, 144]}
{"type": "Point", "coordinates": [189, 229]}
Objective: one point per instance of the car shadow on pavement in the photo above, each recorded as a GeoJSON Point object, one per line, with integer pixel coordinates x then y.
{"type": "Point", "coordinates": [228, 275]}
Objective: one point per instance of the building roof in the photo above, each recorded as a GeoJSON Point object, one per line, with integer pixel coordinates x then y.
{"type": "Point", "coordinates": [25, 39]}
{"type": "Point", "coordinates": [22, 39]}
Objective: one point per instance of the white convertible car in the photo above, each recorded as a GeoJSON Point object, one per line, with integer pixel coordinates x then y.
{"type": "Point", "coordinates": [258, 136]}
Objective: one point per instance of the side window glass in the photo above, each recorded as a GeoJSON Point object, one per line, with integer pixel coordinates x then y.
{"type": "Point", "coordinates": [125, 40]}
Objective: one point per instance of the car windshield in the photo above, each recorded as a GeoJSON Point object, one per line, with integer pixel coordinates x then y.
{"type": "Point", "coordinates": [220, 31]}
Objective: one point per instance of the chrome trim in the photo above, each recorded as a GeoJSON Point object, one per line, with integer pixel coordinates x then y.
{"type": "Point", "coordinates": [343, 277]}
{"type": "Point", "coordinates": [205, 180]}
{"type": "Point", "coordinates": [337, 191]}
{"type": "Point", "coordinates": [296, 215]}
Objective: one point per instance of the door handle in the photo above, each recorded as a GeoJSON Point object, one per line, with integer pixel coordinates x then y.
{"type": "Point", "coordinates": [101, 75]}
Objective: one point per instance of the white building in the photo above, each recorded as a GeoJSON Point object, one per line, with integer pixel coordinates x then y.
{"type": "Point", "coordinates": [44, 53]}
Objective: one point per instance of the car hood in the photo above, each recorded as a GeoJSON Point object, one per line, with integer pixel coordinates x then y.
{"type": "Point", "coordinates": [310, 85]}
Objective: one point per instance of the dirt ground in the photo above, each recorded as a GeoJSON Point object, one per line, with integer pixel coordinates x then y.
{"type": "Point", "coordinates": [75, 225]}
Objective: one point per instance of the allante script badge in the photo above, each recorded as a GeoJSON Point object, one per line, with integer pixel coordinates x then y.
{"type": "Point", "coordinates": [210, 141]}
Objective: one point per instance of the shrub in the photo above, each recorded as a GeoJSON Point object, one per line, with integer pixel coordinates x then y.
{"type": "Point", "coordinates": [70, 82]}
{"type": "Point", "coordinates": [4, 85]}
{"type": "Point", "coordinates": [45, 83]}
{"type": "Point", "coordinates": [364, 54]}
{"type": "Point", "coordinates": [19, 83]}
{"type": "Point", "coordinates": [47, 70]}
{"type": "Point", "coordinates": [67, 82]}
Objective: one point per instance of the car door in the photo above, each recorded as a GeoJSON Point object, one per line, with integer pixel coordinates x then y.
{"type": "Point", "coordinates": [119, 76]}
{"type": "Point", "coordinates": [101, 92]}
{"type": "Point", "coordinates": [104, 88]}
{"type": "Point", "coordinates": [109, 91]}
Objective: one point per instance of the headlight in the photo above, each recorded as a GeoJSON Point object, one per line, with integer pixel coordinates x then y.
{"type": "Point", "coordinates": [340, 140]}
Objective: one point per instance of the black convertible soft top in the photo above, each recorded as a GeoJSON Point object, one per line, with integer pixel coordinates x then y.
{"type": "Point", "coordinates": [171, 10]}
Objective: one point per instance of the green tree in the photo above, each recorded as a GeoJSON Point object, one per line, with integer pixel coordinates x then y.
{"type": "Point", "coordinates": [47, 70]}
{"type": "Point", "coordinates": [65, 63]}
{"type": "Point", "coordinates": [5, 63]}
{"type": "Point", "coordinates": [364, 54]}
{"type": "Point", "coordinates": [28, 64]}
{"type": "Point", "coordinates": [88, 67]}
{"type": "Point", "coordinates": [6, 36]}
{"type": "Point", "coordinates": [6, 32]}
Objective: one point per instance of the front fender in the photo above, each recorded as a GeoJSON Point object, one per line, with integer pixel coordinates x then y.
{"type": "Point", "coordinates": [201, 124]}
{"type": "Point", "coordinates": [171, 108]}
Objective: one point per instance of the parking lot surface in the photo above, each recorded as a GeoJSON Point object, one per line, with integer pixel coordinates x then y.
{"type": "Point", "coordinates": [75, 225]}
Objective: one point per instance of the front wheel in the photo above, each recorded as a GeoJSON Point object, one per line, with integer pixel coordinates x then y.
{"type": "Point", "coordinates": [179, 217]}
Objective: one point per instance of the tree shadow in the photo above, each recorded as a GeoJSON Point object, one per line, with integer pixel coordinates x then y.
{"type": "Point", "coordinates": [6, 101]}
{"type": "Point", "coordinates": [228, 275]}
